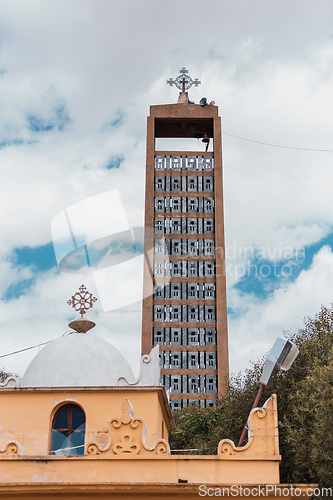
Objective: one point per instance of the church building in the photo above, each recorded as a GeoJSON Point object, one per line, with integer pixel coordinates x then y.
{"type": "Point", "coordinates": [79, 424]}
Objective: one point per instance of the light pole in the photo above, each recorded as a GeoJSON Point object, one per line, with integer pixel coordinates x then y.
{"type": "Point", "coordinates": [281, 357]}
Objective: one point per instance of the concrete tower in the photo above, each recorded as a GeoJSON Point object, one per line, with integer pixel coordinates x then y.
{"type": "Point", "coordinates": [184, 305]}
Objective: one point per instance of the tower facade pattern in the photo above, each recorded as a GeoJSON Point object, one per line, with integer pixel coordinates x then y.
{"type": "Point", "coordinates": [184, 305]}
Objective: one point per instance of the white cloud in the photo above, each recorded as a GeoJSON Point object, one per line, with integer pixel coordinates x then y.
{"type": "Point", "coordinates": [261, 321]}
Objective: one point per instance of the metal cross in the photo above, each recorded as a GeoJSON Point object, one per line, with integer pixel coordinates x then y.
{"type": "Point", "coordinates": [82, 301]}
{"type": "Point", "coordinates": [183, 82]}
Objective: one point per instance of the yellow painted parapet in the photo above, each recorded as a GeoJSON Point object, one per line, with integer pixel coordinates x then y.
{"type": "Point", "coordinates": [263, 435]}
{"type": "Point", "coordinates": [127, 437]}
{"type": "Point", "coordinates": [128, 456]}
{"type": "Point", "coordinates": [28, 433]}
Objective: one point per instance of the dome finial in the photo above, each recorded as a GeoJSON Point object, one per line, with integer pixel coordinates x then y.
{"type": "Point", "coordinates": [82, 301]}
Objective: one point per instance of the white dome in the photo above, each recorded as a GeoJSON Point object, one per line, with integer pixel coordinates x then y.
{"type": "Point", "coordinates": [77, 360]}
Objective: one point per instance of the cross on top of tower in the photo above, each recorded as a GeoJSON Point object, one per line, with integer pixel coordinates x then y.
{"type": "Point", "coordinates": [183, 82]}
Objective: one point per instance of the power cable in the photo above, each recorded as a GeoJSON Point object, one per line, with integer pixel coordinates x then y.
{"type": "Point", "coordinates": [26, 349]}
{"type": "Point", "coordinates": [32, 347]}
{"type": "Point", "coordinates": [277, 145]}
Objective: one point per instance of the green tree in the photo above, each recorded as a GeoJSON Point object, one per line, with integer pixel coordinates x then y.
{"type": "Point", "coordinates": [305, 408]}
{"type": "Point", "coordinates": [305, 399]}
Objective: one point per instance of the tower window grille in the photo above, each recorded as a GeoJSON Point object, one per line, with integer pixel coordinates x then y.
{"type": "Point", "coordinates": [192, 204]}
{"type": "Point", "coordinates": [192, 247]}
{"type": "Point", "coordinates": [210, 313]}
{"type": "Point", "coordinates": [176, 247]}
{"type": "Point", "coordinates": [193, 313]}
{"type": "Point", "coordinates": [176, 163]}
{"type": "Point", "coordinates": [191, 163]}
{"type": "Point", "coordinates": [158, 291]}
{"type": "Point", "coordinates": [175, 225]}
{"type": "Point", "coordinates": [209, 269]}
{"type": "Point", "coordinates": [210, 336]}
{"type": "Point", "coordinates": [175, 183]}
{"type": "Point", "coordinates": [192, 184]}
{"type": "Point", "coordinates": [211, 384]}
{"type": "Point", "coordinates": [176, 336]}
{"type": "Point", "coordinates": [192, 226]}
{"type": "Point", "coordinates": [193, 360]}
{"type": "Point", "coordinates": [192, 269]}
{"type": "Point", "coordinates": [159, 313]}
{"type": "Point", "coordinates": [175, 205]}
{"type": "Point", "coordinates": [159, 268]}
{"type": "Point", "coordinates": [207, 163]}
{"type": "Point", "coordinates": [209, 291]}
{"type": "Point", "coordinates": [209, 247]}
{"type": "Point", "coordinates": [175, 313]}
{"type": "Point", "coordinates": [208, 225]}
{"type": "Point", "coordinates": [176, 268]}
{"type": "Point", "coordinates": [176, 404]}
{"type": "Point", "coordinates": [193, 336]}
{"type": "Point", "coordinates": [193, 384]}
{"type": "Point", "coordinates": [158, 336]}
{"type": "Point", "coordinates": [159, 183]}
{"type": "Point", "coordinates": [208, 183]}
{"type": "Point", "coordinates": [208, 204]}
{"type": "Point", "coordinates": [210, 360]}
{"type": "Point", "coordinates": [176, 385]}
{"type": "Point", "coordinates": [159, 225]}
{"type": "Point", "coordinates": [175, 290]}
{"type": "Point", "coordinates": [159, 163]}
{"type": "Point", "coordinates": [159, 247]}
{"type": "Point", "coordinates": [192, 291]}
{"type": "Point", "coordinates": [159, 204]}
{"type": "Point", "coordinates": [175, 361]}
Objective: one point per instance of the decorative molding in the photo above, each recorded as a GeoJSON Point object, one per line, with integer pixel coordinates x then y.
{"type": "Point", "coordinates": [262, 423]}
{"type": "Point", "coordinates": [11, 383]}
{"type": "Point", "coordinates": [127, 437]}
{"type": "Point", "coordinates": [149, 370]}
{"type": "Point", "coordinates": [11, 448]}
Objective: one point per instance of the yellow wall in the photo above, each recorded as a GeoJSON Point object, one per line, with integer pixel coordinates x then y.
{"type": "Point", "coordinates": [26, 415]}
{"type": "Point", "coordinates": [144, 470]}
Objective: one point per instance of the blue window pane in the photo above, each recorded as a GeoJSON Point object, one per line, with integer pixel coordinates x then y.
{"type": "Point", "coordinates": [61, 418]}
{"type": "Point", "coordinates": [77, 417]}
{"type": "Point", "coordinates": [77, 439]}
{"type": "Point", "coordinates": [58, 440]}
{"type": "Point", "coordinates": [67, 434]}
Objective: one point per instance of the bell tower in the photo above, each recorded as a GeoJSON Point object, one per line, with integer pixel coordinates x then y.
{"type": "Point", "coordinates": [184, 305]}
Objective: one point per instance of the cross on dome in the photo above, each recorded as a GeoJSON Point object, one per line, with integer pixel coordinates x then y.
{"type": "Point", "coordinates": [82, 301]}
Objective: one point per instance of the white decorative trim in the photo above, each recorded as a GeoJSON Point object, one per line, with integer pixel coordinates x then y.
{"type": "Point", "coordinates": [11, 382]}
{"type": "Point", "coordinates": [149, 371]}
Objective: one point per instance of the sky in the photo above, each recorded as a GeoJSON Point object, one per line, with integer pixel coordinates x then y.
{"type": "Point", "coordinates": [77, 78]}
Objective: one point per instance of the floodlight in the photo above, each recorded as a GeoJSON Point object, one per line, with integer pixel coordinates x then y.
{"type": "Point", "coordinates": [281, 357]}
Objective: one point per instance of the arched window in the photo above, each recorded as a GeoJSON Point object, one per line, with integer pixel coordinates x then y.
{"type": "Point", "coordinates": [67, 433]}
